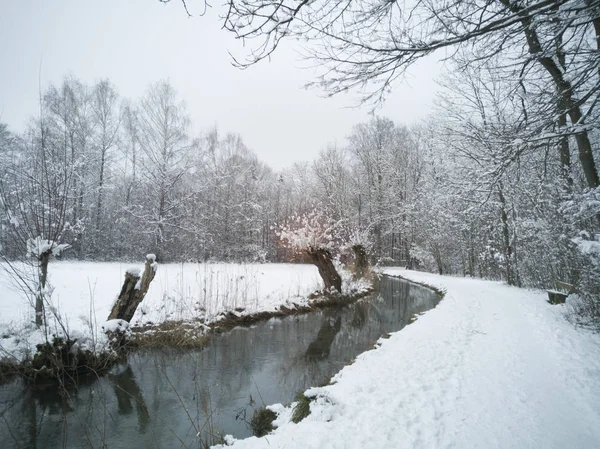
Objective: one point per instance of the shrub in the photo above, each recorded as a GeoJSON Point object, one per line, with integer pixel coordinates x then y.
{"type": "Point", "coordinates": [262, 421]}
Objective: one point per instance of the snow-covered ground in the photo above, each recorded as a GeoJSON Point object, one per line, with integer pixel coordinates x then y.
{"type": "Point", "coordinates": [84, 293]}
{"type": "Point", "coordinates": [491, 366]}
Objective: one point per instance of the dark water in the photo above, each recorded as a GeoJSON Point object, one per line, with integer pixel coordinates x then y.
{"type": "Point", "coordinates": [161, 399]}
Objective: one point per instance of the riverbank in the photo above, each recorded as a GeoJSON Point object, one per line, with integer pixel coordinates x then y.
{"type": "Point", "coordinates": [491, 366]}
{"type": "Point", "coordinates": [193, 397]}
{"type": "Point", "coordinates": [185, 303]}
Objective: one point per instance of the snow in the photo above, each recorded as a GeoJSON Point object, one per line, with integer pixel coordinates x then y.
{"type": "Point", "coordinates": [38, 246]}
{"type": "Point", "coordinates": [153, 263]}
{"type": "Point", "coordinates": [58, 249]}
{"type": "Point", "coordinates": [589, 247]}
{"type": "Point", "coordinates": [14, 221]}
{"type": "Point", "coordinates": [115, 326]}
{"type": "Point", "coordinates": [83, 294]}
{"type": "Point", "coordinates": [18, 342]}
{"type": "Point", "coordinates": [491, 366]}
{"type": "Point", "coordinates": [134, 271]}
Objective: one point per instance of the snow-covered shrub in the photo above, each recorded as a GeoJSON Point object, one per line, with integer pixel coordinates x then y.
{"type": "Point", "coordinates": [62, 358]}
{"type": "Point", "coordinates": [423, 258]}
{"type": "Point", "coordinates": [301, 408]}
{"type": "Point", "coordinates": [583, 211]}
{"type": "Point", "coordinates": [587, 307]}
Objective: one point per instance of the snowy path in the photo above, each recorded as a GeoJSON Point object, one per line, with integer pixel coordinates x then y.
{"type": "Point", "coordinates": [491, 367]}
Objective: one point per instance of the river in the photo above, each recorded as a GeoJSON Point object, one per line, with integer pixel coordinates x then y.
{"type": "Point", "coordinates": [169, 398]}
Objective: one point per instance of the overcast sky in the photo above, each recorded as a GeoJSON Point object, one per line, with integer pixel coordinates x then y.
{"type": "Point", "coordinates": [137, 42]}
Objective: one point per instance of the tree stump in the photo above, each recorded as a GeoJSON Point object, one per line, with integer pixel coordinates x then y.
{"type": "Point", "coordinates": [134, 290]}
{"type": "Point", "coordinates": [322, 258]}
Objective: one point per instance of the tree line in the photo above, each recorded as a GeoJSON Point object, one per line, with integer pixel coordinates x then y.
{"type": "Point", "coordinates": [480, 188]}
{"type": "Point", "coordinates": [115, 178]}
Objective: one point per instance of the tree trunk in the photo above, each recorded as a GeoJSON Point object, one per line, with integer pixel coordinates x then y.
{"type": "Point", "coordinates": [43, 260]}
{"type": "Point", "coordinates": [565, 155]}
{"type": "Point", "coordinates": [361, 261]}
{"type": "Point", "coordinates": [437, 255]}
{"type": "Point", "coordinates": [594, 9]}
{"type": "Point", "coordinates": [322, 259]}
{"type": "Point", "coordinates": [133, 291]}
{"type": "Point", "coordinates": [508, 251]}
{"type": "Point", "coordinates": [100, 192]}
{"type": "Point", "coordinates": [160, 230]}
{"type": "Point", "coordinates": [567, 99]}
{"type": "Point", "coordinates": [563, 145]}
{"type": "Point", "coordinates": [378, 242]}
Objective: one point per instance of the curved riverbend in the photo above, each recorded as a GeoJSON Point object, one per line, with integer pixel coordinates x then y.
{"type": "Point", "coordinates": [159, 397]}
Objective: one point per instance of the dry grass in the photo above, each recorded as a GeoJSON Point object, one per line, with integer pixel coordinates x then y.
{"type": "Point", "coordinates": [232, 320]}
{"type": "Point", "coordinates": [262, 421]}
{"type": "Point", "coordinates": [302, 408]}
{"type": "Point", "coordinates": [170, 334]}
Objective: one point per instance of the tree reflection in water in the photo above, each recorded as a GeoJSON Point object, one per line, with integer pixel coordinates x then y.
{"type": "Point", "coordinates": [320, 347]}
{"type": "Point", "coordinates": [127, 392]}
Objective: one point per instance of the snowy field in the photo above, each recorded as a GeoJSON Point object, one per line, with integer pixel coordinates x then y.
{"type": "Point", "coordinates": [84, 293]}
{"type": "Point", "coordinates": [491, 366]}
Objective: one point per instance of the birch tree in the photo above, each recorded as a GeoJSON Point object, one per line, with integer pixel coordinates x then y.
{"type": "Point", "coordinates": [107, 117]}
{"type": "Point", "coordinates": [163, 127]}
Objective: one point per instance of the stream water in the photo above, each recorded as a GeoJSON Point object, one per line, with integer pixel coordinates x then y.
{"type": "Point", "coordinates": [165, 399]}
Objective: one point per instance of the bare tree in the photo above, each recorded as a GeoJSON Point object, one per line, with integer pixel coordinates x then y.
{"type": "Point", "coordinates": [34, 194]}
{"type": "Point", "coordinates": [108, 120]}
{"type": "Point", "coordinates": [163, 139]}
{"type": "Point", "coordinates": [68, 114]}
{"type": "Point", "coordinates": [369, 45]}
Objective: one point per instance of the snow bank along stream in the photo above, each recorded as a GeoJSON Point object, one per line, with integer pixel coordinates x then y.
{"type": "Point", "coordinates": [163, 398]}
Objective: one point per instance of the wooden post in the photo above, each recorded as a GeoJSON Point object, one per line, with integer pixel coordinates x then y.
{"type": "Point", "coordinates": [133, 291]}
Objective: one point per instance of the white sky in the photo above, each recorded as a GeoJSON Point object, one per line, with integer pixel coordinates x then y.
{"type": "Point", "coordinates": [137, 42]}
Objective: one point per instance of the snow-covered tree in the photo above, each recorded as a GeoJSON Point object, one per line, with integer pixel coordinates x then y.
{"type": "Point", "coordinates": [107, 118]}
{"type": "Point", "coordinates": [35, 188]}
{"type": "Point", "coordinates": [318, 237]}
{"type": "Point", "coordinates": [164, 144]}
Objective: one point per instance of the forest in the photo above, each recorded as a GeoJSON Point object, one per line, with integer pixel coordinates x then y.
{"type": "Point", "coordinates": [478, 189]}
{"type": "Point", "coordinates": [500, 181]}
